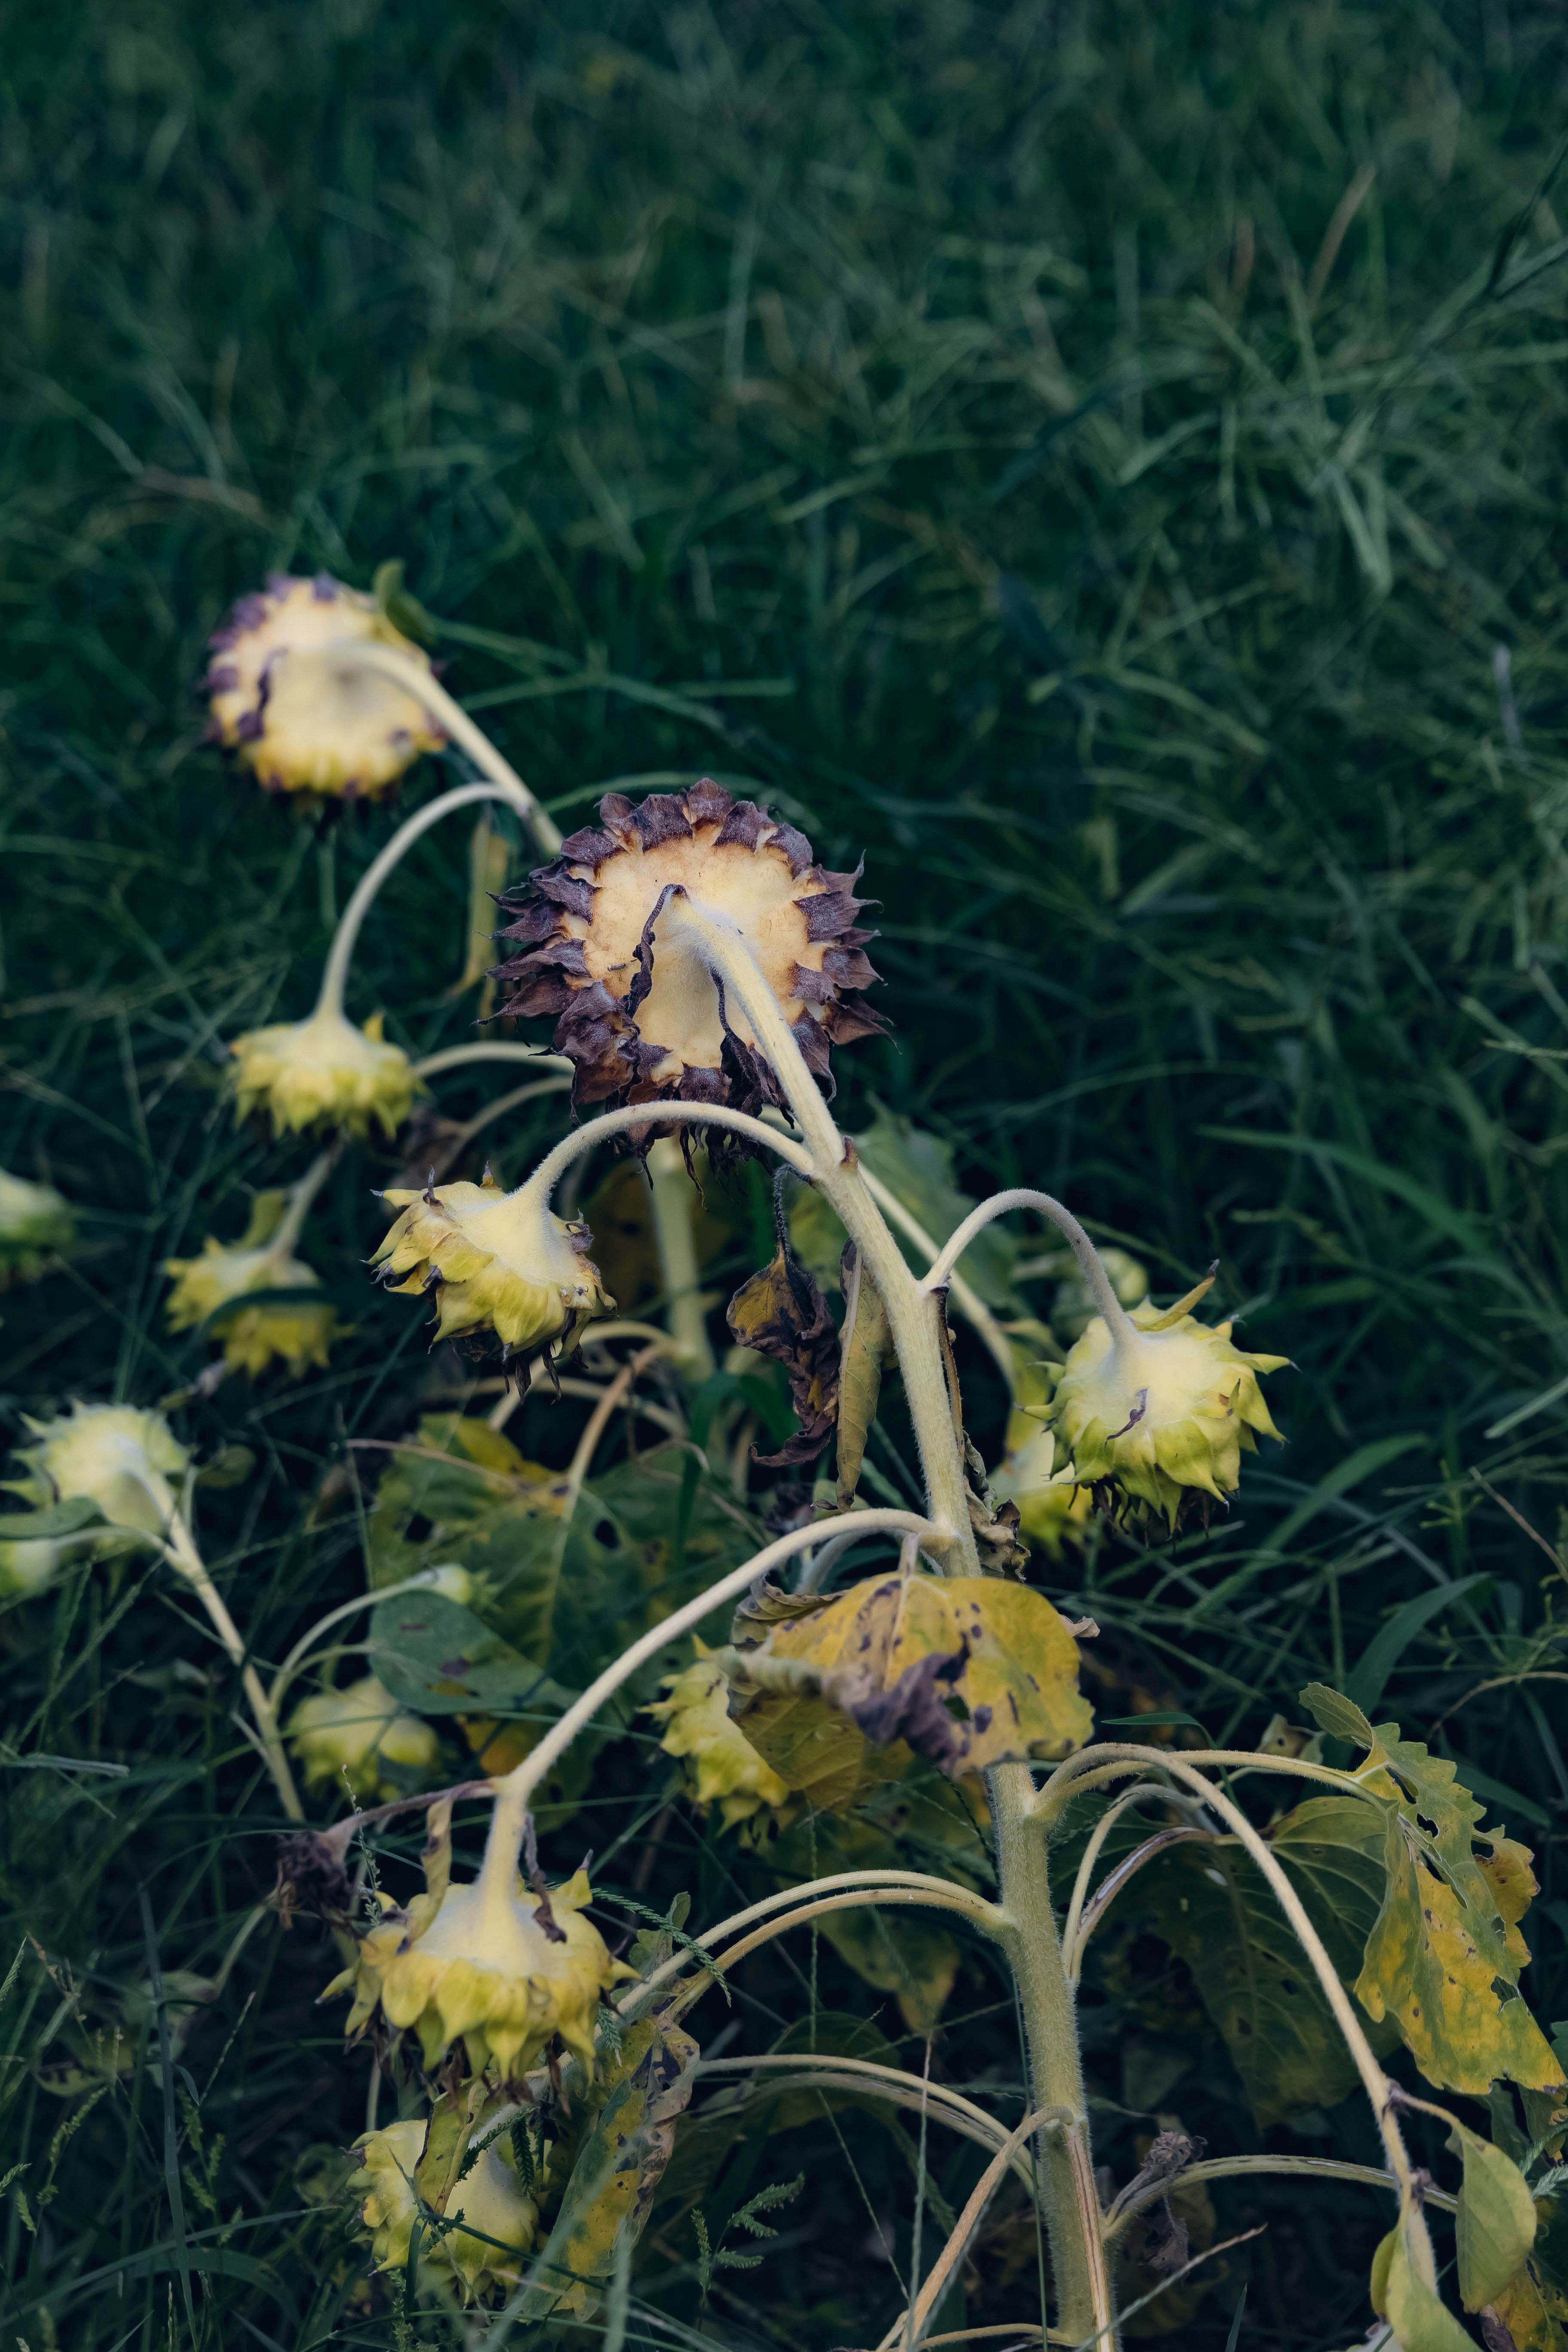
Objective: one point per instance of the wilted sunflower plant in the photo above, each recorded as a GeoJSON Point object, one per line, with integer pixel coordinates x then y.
{"type": "Point", "coordinates": [697, 968]}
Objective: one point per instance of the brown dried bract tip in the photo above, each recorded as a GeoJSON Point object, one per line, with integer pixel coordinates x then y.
{"type": "Point", "coordinates": [641, 1017]}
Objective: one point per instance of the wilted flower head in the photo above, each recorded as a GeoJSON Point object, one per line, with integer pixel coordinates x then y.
{"type": "Point", "coordinates": [481, 1966]}
{"type": "Point", "coordinates": [497, 1262]}
{"type": "Point", "coordinates": [403, 2169]}
{"type": "Point", "coordinates": [301, 720]}
{"type": "Point", "coordinates": [361, 1731]}
{"type": "Point", "coordinates": [34, 1221]}
{"type": "Point", "coordinates": [29, 1564]}
{"type": "Point", "coordinates": [639, 1015]}
{"type": "Point", "coordinates": [295, 1331]}
{"type": "Point", "coordinates": [322, 1072]}
{"type": "Point", "coordinates": [723, 1767]}
{"type": "Point", "coordinates": [1157, 1417]}
{"type": "Point", "coordinates": [112, 1454]}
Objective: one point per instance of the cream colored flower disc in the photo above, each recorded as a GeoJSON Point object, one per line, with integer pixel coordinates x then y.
{"type": "Point", "coordinates": [301, 717]}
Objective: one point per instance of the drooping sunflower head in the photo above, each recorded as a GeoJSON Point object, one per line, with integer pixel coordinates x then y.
{"type": "Point", "coordinates": [483, 1967]}
{"type": "Point", "coordinates": [428, 2163]}
{"type": "Point", "coordinates": [112, 1454]}
{"type": "Point", "coordinates": [364, 1733]}
{"type": "Point", "coordinates": [301, 720]}
{"type": "Point", "coordinates": [639, 1013]}
{"type": "Point", "coordinates": [34, 1221]}
{"type": "Point", "coordinates": [322, 1072]}
{"type": "Point", "coordinates": [1158, 1420]}
{"type": "Point", "coordinates": [294, 1333]}
{"type": "Point", "coordinates": [498, 1262]}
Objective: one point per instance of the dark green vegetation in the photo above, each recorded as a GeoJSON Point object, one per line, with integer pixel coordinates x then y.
{"type": "Point", "coordinates": [1105, 463]}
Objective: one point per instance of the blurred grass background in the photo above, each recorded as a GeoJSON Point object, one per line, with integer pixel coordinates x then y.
{"type": "Point", "coordinates": [1106, 462]}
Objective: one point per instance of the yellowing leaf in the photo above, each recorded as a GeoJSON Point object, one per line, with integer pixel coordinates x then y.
{"type": "Point", "coordinates": [1418, 2316]}
{"type": "Point", "coordinates": [1432, 1963]}
{"type": "Point", "coordinates": [1494, 2227]}
{"type": "Point", "coordinates": [1445, 1955]}
{"type": "Point", "coordinates": [816, 1751]}
{"type": "Point", "coordinates": [969, 1670]}
{"type": "Point", "coordinates": [619, 2162]}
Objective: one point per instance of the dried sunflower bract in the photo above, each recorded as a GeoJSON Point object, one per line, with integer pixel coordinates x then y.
{"type": "Point", "coordinates": [301, 720]}
{"type": "Point", "coordinates": [322, 1072]}
{"type": "Point", "coordinates": [497, 1262]}
{"type": "Point", "coordinates": [639, 1015]}
{"type": "Point", "coordinates": [1157, 1420]}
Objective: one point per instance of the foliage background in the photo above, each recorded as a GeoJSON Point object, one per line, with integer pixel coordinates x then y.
{"type": "Point", "coordinates": [1104, 461]}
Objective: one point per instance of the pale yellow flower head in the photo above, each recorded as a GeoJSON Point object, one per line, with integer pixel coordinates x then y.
{"type": "Point", "coordinates": [360, 1732]}
{"type": "Point", "coordinates": [1053, 1509]}
{"type": "Point", "coordinates": [722, 1767]}
{"type": "Point", "coordinates": [297, 1333]}
{"type": "Point", "coordinates": [35, 1223]}
{"type": "Point", "coordinates": [478, 1967]}
{"type": "Point", "coordinates": [322, 1072]}
{"type": "Point", "coordinates": [1158, 1417]}
{"type": "Point", "coordinates": [301, 713]}
{"type": "Point", "coordinates": [28, 1565]}
{"type": "Point", "coordinates": [495, 1261]}
{"type": "Point", "coordinates": [403, 2168]}
{"type": "Point", "coordinates": [112, 1454]}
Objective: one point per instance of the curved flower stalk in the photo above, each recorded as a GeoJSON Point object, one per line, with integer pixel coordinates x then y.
{"type": "Point", "coordinates": [298, 1333]}
{"type": "Point", "coordinates": [122, 1459]}
{"type": "Point", "coordinates": [36, 1223]}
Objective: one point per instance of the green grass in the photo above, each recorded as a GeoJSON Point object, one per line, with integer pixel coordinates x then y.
{"type": "Point", "coordinates": [1105, 463]}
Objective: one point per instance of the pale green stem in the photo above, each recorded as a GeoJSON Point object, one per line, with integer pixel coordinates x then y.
{"type": "Point", "coordinates": [672, 1204]}
{"type": "Point", "coordinates": [984, 2189]}
{"type": "Point", "coordinates": [459, 729]}
{"type": "Point", "coordinates": [180, 1551]}
{"type": "Point", "coordinates": [524, 1777]}
{"type": "Point", "coordinates": [619, 1391]}
{"type": "Point", "coordinates": [1071, 1949]}
{"type": "Point", "coordinates": [330, 999]}
{"type": "Point", "coordinates": [458, 1058]}
{"type": "Point", "coordinates": [811, 2069]}
{"type": "Point", "coordinates": [1375, 2082]}
{"type": "Point", "coordinates": [1090, 1263]}
{"type": "Point", "coordinates": [1230, 2168]}
{"type": "Point", "coordinates": [968, 1301]}
{"type": "Point", "coordinates": [987, 1916]}
{"type": "Point", "coordinates": [300, 1200]}
{"type": "Point", "coordinates": [1108, 1760]}
{"type": "Point", "coordinates": [498, 1871]}
{"type": "Point", "coordinates": [556, 1163]}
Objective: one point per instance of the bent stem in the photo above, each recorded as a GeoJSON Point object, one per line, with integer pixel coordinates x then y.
{"type": "Point", "coordinates": [180, 1551]}
{"type": "Point", "coordinates": [458, 1058]}
{"type": "Point", "coordinates": [301, 1198]}
{"type": "Point", "coordinates": [1091, 1265]}
{"type": "Point", "coordinates": [330, 999]}
{"type": "Point", "coordinates": [455, 724]}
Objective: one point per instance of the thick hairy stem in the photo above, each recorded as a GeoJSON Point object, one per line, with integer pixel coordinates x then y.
{"type": "Point", "coordinates": [672, 1205]}
{"type": "Point", "coordinates": [525, 1777]}
{"type": "Point", "coordinates": [1086, 2311]}
{"type": "Point", "coordinates": [1375, 2082]}
{"type": "Point", "coordinates": [456, 726]}
{"type": "Point", "coordinates": [181, 1552]}
{"type": "Point", "coordinates": [458, 1058]}
{"type": "Point", "coordinates": [333, 978]}
{"type": "Point", "coordinates": [1099, 1282]}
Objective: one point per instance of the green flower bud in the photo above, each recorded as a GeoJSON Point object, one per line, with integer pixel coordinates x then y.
{"type": "Point", "coordinates": [35, 1223]}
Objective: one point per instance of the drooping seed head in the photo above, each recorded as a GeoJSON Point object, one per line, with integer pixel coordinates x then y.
{"type": "Point", "coordinates": [296, 1333]}
{"type": "Point", "coordinates": [112, 1454]}
{"type": "Point", "coordinates": [402, 2170]}
{"type": "Point", "coordinates": [322, 1072]}
{"type": "Point", "coordinates": [637, 1010]}
{"type": "Point", "coordinates": [497, 1262]}
{"type": "Point", "coordinates": [300, 719]}
{"type": "Point", "coordinates": [361, 1731]}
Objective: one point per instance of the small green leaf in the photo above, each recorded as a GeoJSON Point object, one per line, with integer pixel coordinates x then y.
{"type": "Point", "coordinates": [1494, 2227]}
{"type": "Point", "coordinates": [437, 1657]}
{"type": "Point", "coordinates": [1419, 2318]}
{"type": "Point", "coordinates": [61, 1520]}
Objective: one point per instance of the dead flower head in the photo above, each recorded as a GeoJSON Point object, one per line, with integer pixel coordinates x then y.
{"type": "Point", "coordinates": [637, 1012]}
